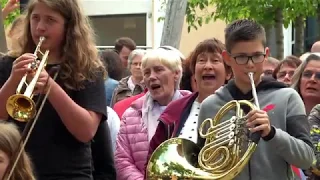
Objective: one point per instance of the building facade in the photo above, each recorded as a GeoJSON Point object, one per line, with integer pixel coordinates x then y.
{"type": "Point", "coordinates": [139, 20]}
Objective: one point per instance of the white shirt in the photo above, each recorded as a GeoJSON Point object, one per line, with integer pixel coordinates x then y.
{"type": "Point", "coordinates": [114, 126]}
{"type": "Point", "coordinates": [189, 130]}
{"type": "Point", "coordinates": [153, 122]}
{"type": "Point", "coordinates": [131, 85]}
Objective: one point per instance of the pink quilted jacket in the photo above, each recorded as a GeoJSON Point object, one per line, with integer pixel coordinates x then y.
{"type": "Point", "coordinates": [132, 143]}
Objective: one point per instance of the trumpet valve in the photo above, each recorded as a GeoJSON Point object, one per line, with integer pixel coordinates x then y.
{"type": "Point", "coordinates": [34, 65]}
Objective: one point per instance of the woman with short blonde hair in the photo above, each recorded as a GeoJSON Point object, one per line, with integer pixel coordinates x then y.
{"type": "Point", "coordinates": [162, 71]}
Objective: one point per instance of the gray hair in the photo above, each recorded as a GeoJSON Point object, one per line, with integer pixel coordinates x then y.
{"type": "Point", "coordinates": [170, 59]}
{"type": "Point", "coordinates": [296, 78]}
{"type": "Point", "coordinates": [135, 53]}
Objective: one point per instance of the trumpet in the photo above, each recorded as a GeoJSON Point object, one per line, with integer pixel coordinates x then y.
{"type": "Point", "coordinates": [21, 105]}
{"type": "Point", "coordinates": [225, 152]}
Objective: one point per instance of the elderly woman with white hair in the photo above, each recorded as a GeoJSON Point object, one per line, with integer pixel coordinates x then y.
{"type": "Point", "coordinates": [162, 71]}
{"type": "Point", "coordinates": [130, 85]}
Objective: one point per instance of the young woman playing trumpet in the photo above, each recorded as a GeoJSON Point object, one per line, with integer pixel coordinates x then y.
{"type": "Point", "coordinates": [59, 144]}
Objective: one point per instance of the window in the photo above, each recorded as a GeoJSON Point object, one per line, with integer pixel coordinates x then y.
{"type": "Point", "coordinates": [311, 32]}
{"type": "Point", "coordinates": [108, 28]}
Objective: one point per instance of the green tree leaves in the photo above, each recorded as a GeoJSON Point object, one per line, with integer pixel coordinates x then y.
{"type": "Point", "coordinates": [10, 18]}
{"type": "Point", "coordinates": [262, 11]}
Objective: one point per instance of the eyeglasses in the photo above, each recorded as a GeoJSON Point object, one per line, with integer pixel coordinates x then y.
{"type": "Point", "coordinates": [268, 72]}
{"type": "Point", "coordinates": [282, 74]}
{"type": "Point", "coordinates": [309, 74]}
{"type": "Point", "coordinates": [244, 59]}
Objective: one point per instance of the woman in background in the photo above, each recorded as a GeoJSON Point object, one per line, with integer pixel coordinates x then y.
{"type": "Point", "coordinates": [9, 143]}
{"type": "Point", "coordinates": [133, 84]}
{"type": "Point", "coordinates": [162, 71]}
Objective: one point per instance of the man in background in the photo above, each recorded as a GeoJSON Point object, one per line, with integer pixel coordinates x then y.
{"type": "Point", "coordinates": [315, 47]}
{"type": "Point", "coordinates": [124, 46]}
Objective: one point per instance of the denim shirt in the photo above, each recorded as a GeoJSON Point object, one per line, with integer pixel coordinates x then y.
{"type": "Point", "coordinates": [110, 84]}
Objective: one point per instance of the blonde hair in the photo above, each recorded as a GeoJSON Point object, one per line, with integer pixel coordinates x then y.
{"type": "Point", "coordinates": [133, 54]}
{"type": "Point", "coordinates": [304, 56]}
{"type": "Point", "coordinates": [9, 143]}
{"type": "Point", "coordinates": [80, 60]}
{"type": "Point", "coordinates": [170, 59]}
{"type": "Point", "coordinates": [296, 78]}
{"type": "Point", "coordinates": [13, 32]}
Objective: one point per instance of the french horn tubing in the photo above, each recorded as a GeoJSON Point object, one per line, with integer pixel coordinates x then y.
{"type": "Point", "coordinates": [226, 151]}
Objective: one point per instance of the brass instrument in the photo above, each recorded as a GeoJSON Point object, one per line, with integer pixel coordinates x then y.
{"type": "Point", "coordinates": [226, 151]}
{"type": "Point", "coordinates": [20, 106]}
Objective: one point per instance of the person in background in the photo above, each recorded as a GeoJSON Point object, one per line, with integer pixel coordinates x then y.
{"type": "Point", "coordinates": [315, 47]}
{"type": "Point", "coordinates": [113, 64]}
{"type": "Point", "coordinates": [13, 33]}
{"type": "Point", "coordinates": [124, 46]}
{"type": "Point", "coordinates": [314, 122]}
{"type": "Point", "coordinates": [10, 6]}
{"type": "Point", "coordinates": [162, 71]}
{"type": "Point", "coordinates": [114, 126]}
{"type": "Point", "coordinates": [285, 69]}
{"type": "Point", "coordinates": [210, 72]}
{"type": "Point", "coordinates": [188, 82]}
{"type": "Point", "coordinates": [306, 81]}
{"type": "Point", "coordinates": [133, 84]}
{"type": "Point", "coordinates": [304, 56]}
{"type": "Point", "coordinates": [123, 105]}
{"type": "Point", "coordinates": [269, 65]}
{"type": "Point", "coordinates": [9, 143]}
{"type": "Point", "coordinates": [114, 69]}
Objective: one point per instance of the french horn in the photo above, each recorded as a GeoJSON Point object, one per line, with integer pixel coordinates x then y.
{"type": "Point", "coordinates": [226, 151]}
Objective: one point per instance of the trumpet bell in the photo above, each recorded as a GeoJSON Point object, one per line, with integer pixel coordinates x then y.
{"type": "Point", "coordinates": [21, 108]}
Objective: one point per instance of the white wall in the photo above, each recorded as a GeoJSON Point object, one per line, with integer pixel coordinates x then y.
{"type": "Point", "coordinates": [287, 41]}
{"type": "Point", "coordinates": [118, 7]}
{"type": "Point", "coordinates": [109, 7]}
{"type": "Point", "coordinates": [153, 11]}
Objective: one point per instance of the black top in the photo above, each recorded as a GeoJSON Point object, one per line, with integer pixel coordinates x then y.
{"type": "Point", "coordinates": [54, 151]}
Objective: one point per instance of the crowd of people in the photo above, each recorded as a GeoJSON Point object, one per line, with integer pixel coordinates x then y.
{"type": "Point", "coordinates": [109, 110]}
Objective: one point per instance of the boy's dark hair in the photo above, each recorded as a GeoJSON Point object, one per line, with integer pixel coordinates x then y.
{"type": "Point", "coordinates": [124, 42]}
{"type": "Point", "coordinates": [244, 30]}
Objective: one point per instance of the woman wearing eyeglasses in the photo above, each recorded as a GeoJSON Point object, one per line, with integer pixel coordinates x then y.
{"type": "Point", "coordinates": [306, 81]}
{"type": "Point", "coordinates": [285, 69]}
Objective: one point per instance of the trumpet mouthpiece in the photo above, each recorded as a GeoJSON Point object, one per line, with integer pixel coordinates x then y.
{"type": "Point", "coordinates": [42, 38]}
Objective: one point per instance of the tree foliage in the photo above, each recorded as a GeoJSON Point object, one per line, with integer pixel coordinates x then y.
{"type": "Point", "coordinates": [11, 17]}
{"type": "Point", "coordinates": [262, 11]}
